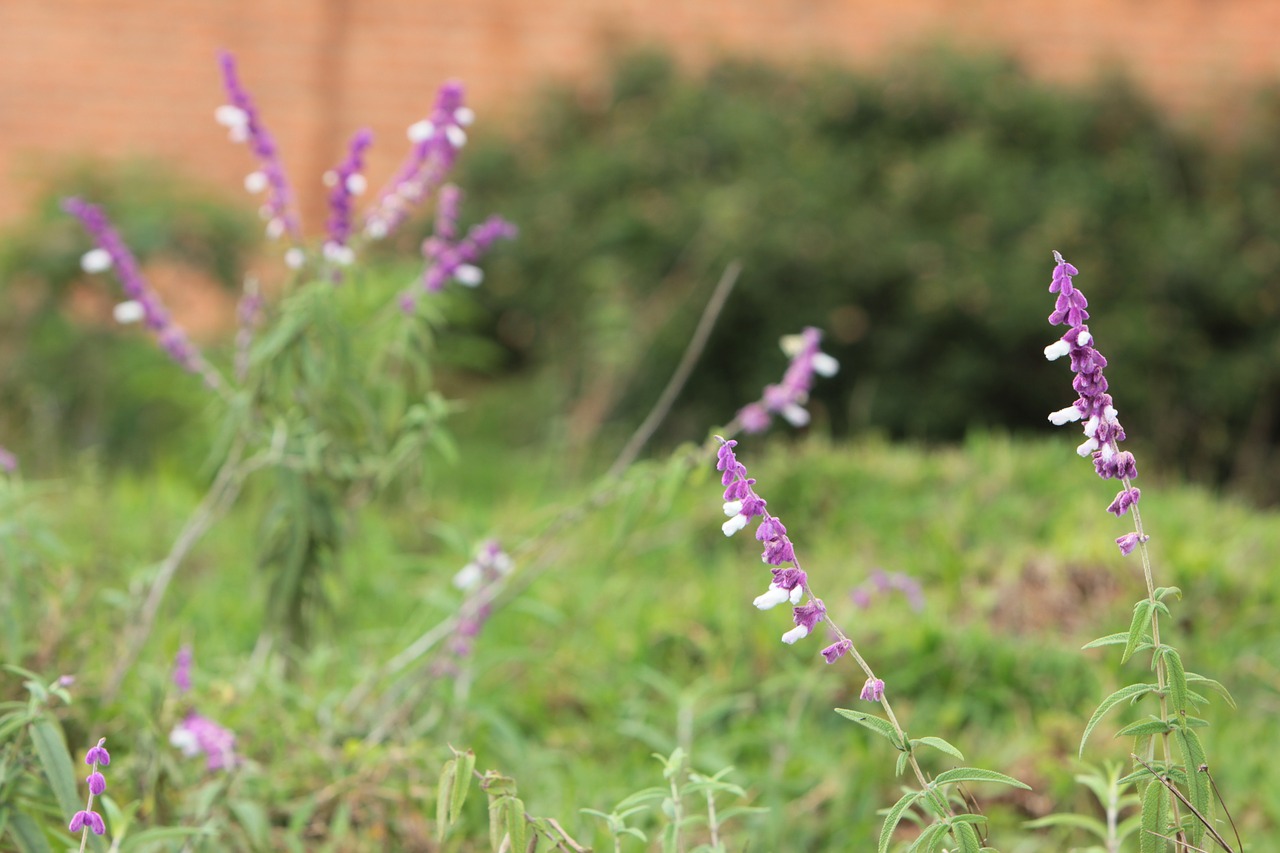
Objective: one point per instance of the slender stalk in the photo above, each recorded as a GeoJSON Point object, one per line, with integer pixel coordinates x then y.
{"type": "Point", "coordinates": [675, 384]}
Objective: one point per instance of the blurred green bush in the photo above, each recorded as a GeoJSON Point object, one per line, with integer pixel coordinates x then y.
{"type": "Point", "coordinates": [911, 214]}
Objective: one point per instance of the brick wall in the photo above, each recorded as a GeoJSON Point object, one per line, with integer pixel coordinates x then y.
{"type": "Point", "coordinates": [114, 78]}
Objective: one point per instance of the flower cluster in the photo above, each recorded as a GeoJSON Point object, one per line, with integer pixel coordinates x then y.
{"type": "Point", "coordinates": [478, 579]}
{"type": "Point", "coordinates": [436, 141]}
{"type": "Point", "coordinates": [143, 302]}
{"type": "Point", "coordinates": [450, 258]}
{"type": "Point", "coordinates": [789, 583]}
{"type": "Point", "coordinates": [789, 396]}
{"type": "Point", "coordinates": [1102, 429]}
{"type": "Point", "coordinates": [240, 117]}
{"type": "Point", "coordinates": [196, 734]}
{"type": "Point", "coordinates": [345, 182]}
{"type": "Point", "coordinates": [87, 819]}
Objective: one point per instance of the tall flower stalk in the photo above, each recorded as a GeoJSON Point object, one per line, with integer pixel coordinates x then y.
{"type": "Point", "coordinates": [87, 819]}
{"type": "Point", "coordinates": [1168, 812]}
{"type": "Point", "coordinates": [790, 584]}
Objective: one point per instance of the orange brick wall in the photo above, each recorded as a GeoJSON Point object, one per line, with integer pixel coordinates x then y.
{"type": "Point", "coordinates": [113, 78]}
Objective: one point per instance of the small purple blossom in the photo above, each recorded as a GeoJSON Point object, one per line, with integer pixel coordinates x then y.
{"type": "Point", "coordinates": [1094, 406]}
{"type": "Point", "coordinates": [436, 141]}
{"type": "Point", "coordinates": [8, 462]}
{"type": "Point", "coordinates": [240, 117]}
{"type": "Point", "coordinates": [872, 690]}
{"type": "Point", "coordinates": [87, 819]}
{"type": "Point", "coordinates": [346, 182]}
{"type": "Point", "coordinates": [198, 735]}
{"type": "Point", "coordinates": [143, 302]}
{"type": "Point", "coordinates": [788, 397]}
{"type": "Point", "coordinates": [836, 650]}
{"type": "Point", "coordinates": [805, 616]}
{"type": "Point", "coordinates": [480, 579]}
{"type": "Point", "coordinates": [248, 317]}
{"type": "Point", "coordinates": [880, 582]}
{"type": "Point", "coordinates": [1129, 541]}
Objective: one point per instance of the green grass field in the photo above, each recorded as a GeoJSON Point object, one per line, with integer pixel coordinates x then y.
{"type": "Point", "coordinates": [631, 631]}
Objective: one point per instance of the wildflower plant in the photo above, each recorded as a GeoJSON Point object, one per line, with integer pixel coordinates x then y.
{"type": "Point", "coordinates": [300, 410]}
{"type": "Point", "coordinates": [1170, 760]}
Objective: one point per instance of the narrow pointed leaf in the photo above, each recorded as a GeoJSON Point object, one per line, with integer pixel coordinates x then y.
{"type": "Point", "coordinates": [967, 836]}
{"type": "Point", "coordinates": [462, 768]}
{"type": "Point", "coordinates": [977, 774]}
{"type": "Point", "coordinates": [879, 725]}
{"type": "Point", "coordinates": [1137, 628]}
{"type": "Point", "coordinates": [929, 840]}
{"type": "Point", "coordinates": [939, 744]}
{"type": "Point", "coordinates": [1145, 727]}
{"type": "Point", "coordinates": [1193, 758]}
{"type": "Point", "coordinates": [1109, 640]}
{"type": "Point", "coordinates": [1155, 819]}
{"type": "Point", "coordinates": [1177, 678]}
{"type": "Point", "coordinates": [516, 826]}
{"type": "Point", "coordinates": [1133, 691]}
{"type": "Point", "coordinates": [1193, 678]}
{"type": "Point", "coordinates": [26, 834]}
{"type": "Point", "coordinates": [892, 819]}
{"type": "Point", "coordinates": [56, 763]}
{"type": "Point", "coordinates": [444, 795]}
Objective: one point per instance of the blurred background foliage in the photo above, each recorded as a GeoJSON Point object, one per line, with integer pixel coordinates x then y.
{"type": "Point", "coordinates": [910, 213]}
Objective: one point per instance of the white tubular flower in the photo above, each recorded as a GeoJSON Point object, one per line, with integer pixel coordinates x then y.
{"type": "Point", "coordinates": [468, 576]}
{"type": "Point", "coordinates": [774, 596]}
{"type": "Point", "coordinates": [1087, 448]}
{"type": "Point", "coordinates": [795, 414]}
{"type": "Point", "coordinates": [1065, 416]}
{"type": "Point", "coordinates": [468, 274]}
{"type": "Point", "coordinates": [356, 184]}
{"type": "Point", "coordinates": [457, 136]}
{"type": "Point", "coordinates": [255, 182]}
{"type": "Point", "coordinates": [295, 258]}
{"type": "Point", "coordinates": [1057, 350]}
{"type": "Point", "coordinates": [799, 632]}
{"type": "Point", "coordinates": [464, 116]}
{"type": "Point", "coordinates": [421, 131]}
{"type": "Point", "coordinates": [734, 524]}
{"type": "Point", "coordinates": [1083, 338]}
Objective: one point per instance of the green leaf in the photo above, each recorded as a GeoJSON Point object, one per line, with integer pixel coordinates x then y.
{"type": "Point", "coordinates": [1109, 640]}
{"type": "Point", "coordinates": [1176, 676]}
{"type": "Point", "coordinates": [462, 768]}
{"type": "Point", "coordinates": [892, 819]}
{"type": "Point", "coordinates": [1137, 628]}
{"type": "Point", "coordinates": [977, 774]}
{"type": "Point", "coordinates": [252, 817]}
{"type": "Point", "coordinates": [939, 744]}
{"type": "Point", "coordinates": [1155, 819]}
{"type": "Point", "coordinates": [1193, 758]}
{"type": "Point", "coordinates": [26, 834]}
{"type": "Point", "coordinates": [515, 823]}
{"type": "Point", "coordinates": [1131, 693]}
{"type": "Point", "coordinates": [967, 836]}
{"type": "Point", "coordinates": [56, 762]}
{"type": "Point", "coordinates": [1145, 727]}
{"type": "Point", "coordinates": [931, 839]}
{"type": "Point", "coordinates": [497, 823]}
{"type": "Point", "coordinates": [1193, 678]}
{"type": "Point", "coordinates": [164, 833]}
{"type": "Point", "coordinates": [900, 766]}
{"type": "Point", "coordinates": [1093, 826]}
{"type": "Point", "coordinates": [444, 796]}
{"type": "Point", "coordinates": [879, 725]}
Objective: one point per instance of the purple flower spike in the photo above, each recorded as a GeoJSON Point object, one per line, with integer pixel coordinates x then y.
{"type": "Point", "coordinates": [240, 117]}
{"type": "Point", "coordinates": [836, 650]}
{"type": "Point", "coordinates": [1093, 407]}
{"type": "Point", "coordinates": [347, 182]}
{"type": "Point", "coordinates": [87, 819]}
{"type": "Point", "coordinates": [436, 141]}
{"type": "Point", "coordinates": [143, 302]}
{"type": "Point", "coordinates": [789, 396]}
{"type": "Point", "coordinates": [872, 690]}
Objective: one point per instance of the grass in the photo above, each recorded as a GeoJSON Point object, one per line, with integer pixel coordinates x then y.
{"type": "Point", "coordinates": [635, 634]}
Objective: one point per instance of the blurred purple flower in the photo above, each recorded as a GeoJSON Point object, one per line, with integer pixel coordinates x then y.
{"type": "Point", "coordinates": [198, 735]}
{"type": "Point", "coordinates": [436, 141]}
{"type": "Point", "coordinates": [182, 670]}
{"type": "Point", "coordinates": [240, 117]}
{"type": "Point", "coordinates": [789, 397]}
{"type": "Point", "coordinates": [87, 819]}
{"type": "Point", "coordinates": [346, 182]}
{"type": "Point", "coordinates": [448, 258]}
{"type": "Point", "coordinates": [143, 302]}
{"type": "Point", "coordinates": [8, 462]}
{"type": "Point", "coordinates": [880, 582]}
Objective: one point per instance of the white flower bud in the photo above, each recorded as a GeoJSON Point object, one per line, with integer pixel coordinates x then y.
{"type": "Point", "coordinates": [734, 524]}
{"type": "Point", "coordinates": [464, 116]}
{"type": "Point", "coordinates": [825, 365]}
{"type": "Point", "coordinates": [376, 229]}
{"type": "Point", "coordinates": [421, 131]}
{"type": "Point", "coordinates": [95, 260]}
{"type": "Point", "coordinates": [1088, 447]}
{"type": "Point", "coordinates": [1084, 338]}
{"type": "Point", "coordinates": [796, 415]}
{"type": "Point", "coordinates": [275, 228]}
{"type": "Point", "coordinates": [329, 178]}
{"type": "Point", "coordinates": [129, 312]}
{"type": "Point", "coordinates": [468, 275]}
{"type": "Point", "coordinates": [356, 184]}
{"type": "Point", "coordinates": [467, 577]}
{"type": "Point", "coordinates": [797, 593]}
{"type": "Point", "coordinates": [295, 258]}
{"type": "Point", "coordinates": [1064, 416]}
{"type": "Point", "coordinates": [457, 136]}
{"type": "Point", "coordinates": [732, 507]}
{"type": "Point", "coordinates": [255, 182]}
{"type": "Point", "coordinates": [230, 116]}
